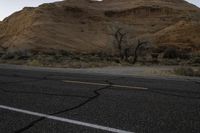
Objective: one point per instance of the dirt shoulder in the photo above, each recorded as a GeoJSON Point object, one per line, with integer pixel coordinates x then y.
{"type": "Point", "coordinates": [164, 72]}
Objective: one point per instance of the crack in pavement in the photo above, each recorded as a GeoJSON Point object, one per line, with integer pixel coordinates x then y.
{"type": "Point", "coordinates": [97, 94]}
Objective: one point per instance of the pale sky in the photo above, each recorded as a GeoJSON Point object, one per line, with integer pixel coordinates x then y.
{"type": "Point", "coordinates": [7, 7]}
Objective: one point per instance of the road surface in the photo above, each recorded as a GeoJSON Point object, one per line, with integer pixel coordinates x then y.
{"type": "Point", "coordinates": [34, 101]}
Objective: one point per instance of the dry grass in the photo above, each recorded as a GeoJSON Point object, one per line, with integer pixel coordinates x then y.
{"type": "Point", "coordinates": [60, 60]}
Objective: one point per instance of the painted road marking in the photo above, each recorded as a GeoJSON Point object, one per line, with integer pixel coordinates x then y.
{"type": "Point", "coordinates": [103, 84]}
{"type": "Point", "coordinates": [114, 130]}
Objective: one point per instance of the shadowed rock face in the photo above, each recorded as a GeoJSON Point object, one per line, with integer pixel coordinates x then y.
{"type": "Point", "coordinates": [86, 27]}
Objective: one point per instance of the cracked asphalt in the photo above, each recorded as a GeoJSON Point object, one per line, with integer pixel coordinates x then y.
{"type": "Point", "coordinates": [167, 106]}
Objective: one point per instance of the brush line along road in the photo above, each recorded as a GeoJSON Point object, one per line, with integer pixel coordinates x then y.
{"type": "Point", "coordinates": [37, 101]}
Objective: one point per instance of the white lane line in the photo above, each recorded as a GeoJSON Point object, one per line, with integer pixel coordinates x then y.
{"type": "Point", "coordinates": [102, 84]}
{"type": "Point", "coordinates": [114, 130]}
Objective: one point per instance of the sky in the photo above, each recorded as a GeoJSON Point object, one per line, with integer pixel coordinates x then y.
{"type": "Point", "coordinates": [7, 7]}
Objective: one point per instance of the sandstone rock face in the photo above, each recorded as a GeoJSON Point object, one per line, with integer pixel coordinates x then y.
{"type": "Point", "coordinates": [87, 27]}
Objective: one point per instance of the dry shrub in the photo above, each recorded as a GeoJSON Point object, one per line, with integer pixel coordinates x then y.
{"type": "Point", "coordinates": [73, 9]}
{"type": "Point", "coordinates": [18, 55]}
{"type": "Point", "coordinates": [109, 13]}
{"type": "Point", "coordinates": [171, 53]}
{"type": "Point", "coordinates": [48, 6]}
{"type": "Point", "coordinates": [187, 71]}
{"type": "Point", "coordinates": [195, 58]}
{"type": "Point", "coordinates": [7, 56]}
{"type": "Point", "coordinates": [35, 62]}
{"type": "Point", "coordinates": [174, 53]}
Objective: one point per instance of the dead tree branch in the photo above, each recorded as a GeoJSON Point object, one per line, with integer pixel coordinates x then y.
{"type": "Point", "coordinates": [140, 43]}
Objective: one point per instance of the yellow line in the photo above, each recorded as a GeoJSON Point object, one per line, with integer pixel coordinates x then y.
{"type": "Point", "coordinates": [130, 87]}
{"type": "Point", "coordinates": [101, 84]}
{"type": "Point", "coordinates": [88, 83]}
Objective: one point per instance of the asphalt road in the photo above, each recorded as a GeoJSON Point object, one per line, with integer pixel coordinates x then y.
{"type": "Point", "coordinates": [34, 101]}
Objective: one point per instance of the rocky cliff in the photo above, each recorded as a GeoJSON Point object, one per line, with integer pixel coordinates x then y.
{"type": "Point", "coordinates": [87, 27]}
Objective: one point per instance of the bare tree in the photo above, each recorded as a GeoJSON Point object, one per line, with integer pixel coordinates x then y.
{"type": "Point", "coordinates": [119, 36]}
{"type": "Point", "coordinates": [125, 45]}
{"type": "Point", "coordinates": [126, 53]}
{"type": "Point", "coordinates": [139, 44]}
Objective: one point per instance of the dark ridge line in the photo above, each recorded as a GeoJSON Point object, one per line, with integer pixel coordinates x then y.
{"type": "Point", "coordinates": [38, 93]}
{"type": "Point", "coordinates": [175, 95]}
{"type": "Point", "coordinates": [179, 91]}
{"type": "Point", "coordinates": [19, 82]}
{"type": "Point", "coordinates": [24, 76]}
{"type": "Point", "coordinates": [197, 82]}
{"type": "Point", "coordinates": [33, 123]}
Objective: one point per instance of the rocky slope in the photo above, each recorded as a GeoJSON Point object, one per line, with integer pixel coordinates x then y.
{"type": "Point", "coordinates": [86, 27]}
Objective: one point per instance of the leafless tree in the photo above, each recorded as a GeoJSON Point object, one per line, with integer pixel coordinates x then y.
{"type": "Point", "coordinates": [120, 36]}
{"type": "Point", "coordinates": [125, 45]}
{"type": "Point", "coordinates": [139, 44]}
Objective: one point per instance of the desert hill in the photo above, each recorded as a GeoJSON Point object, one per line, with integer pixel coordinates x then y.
{"type": "Point", "coordinates": [87, 27]}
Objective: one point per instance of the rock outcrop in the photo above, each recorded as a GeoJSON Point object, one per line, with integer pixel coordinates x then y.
{"type": "Point", "coordinates": [86, 27]}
